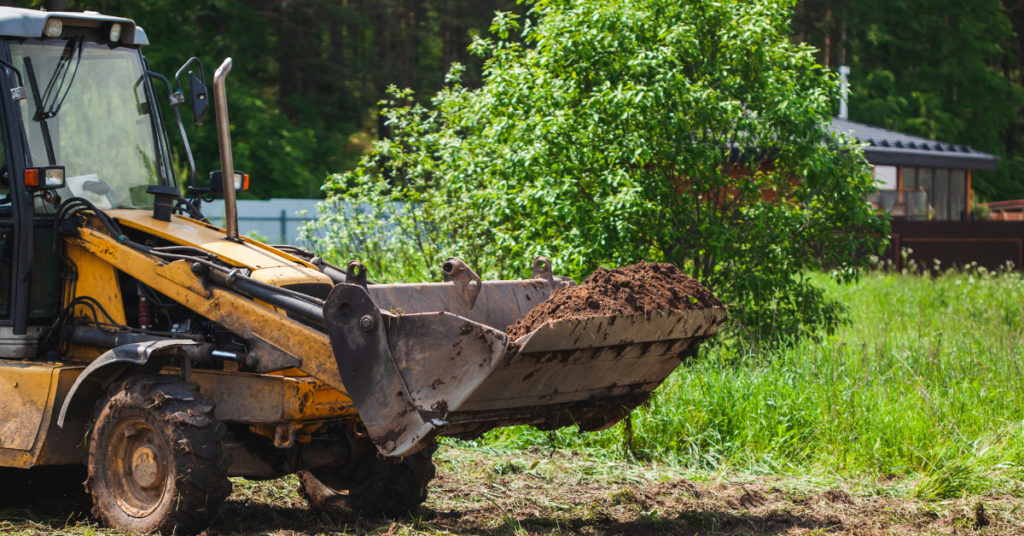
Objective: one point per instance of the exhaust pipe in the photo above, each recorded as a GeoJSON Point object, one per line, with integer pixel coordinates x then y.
{"type": "Point", "coordinates": [227, 164]}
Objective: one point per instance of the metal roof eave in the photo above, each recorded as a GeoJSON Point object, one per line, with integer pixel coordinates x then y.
{"type": "Point", "coordinates": [892, 148]}
{"type": "Point", "coordinates": [900, 157]}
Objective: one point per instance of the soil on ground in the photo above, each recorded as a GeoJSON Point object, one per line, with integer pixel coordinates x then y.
{"type": "Point", "coordinates": [636, 289]}
{"type": "Point", "coordinates": [558, 493]}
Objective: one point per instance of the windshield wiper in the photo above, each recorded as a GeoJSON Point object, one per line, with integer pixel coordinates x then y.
{"type": "Point", "coordinates": [52, 95]}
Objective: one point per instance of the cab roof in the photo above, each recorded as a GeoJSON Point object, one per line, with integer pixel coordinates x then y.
{"type": "Point", "coordinates": [29, 23]}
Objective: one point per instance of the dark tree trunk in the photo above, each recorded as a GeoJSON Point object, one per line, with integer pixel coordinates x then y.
{"type": "Point", "coordinates": [385, 69]}
{"type": "Point", "coordinates": [446, 61]}
{"type": "Point", "coordinates": [289, 60]}
{"type": "Point", "coordinates": [828, 37]}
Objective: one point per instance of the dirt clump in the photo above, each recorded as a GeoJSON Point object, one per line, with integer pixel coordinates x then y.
{"type": "Point", "coordinates": [636, 289]}
{"type": "Point", "coordinates": [837, 496]}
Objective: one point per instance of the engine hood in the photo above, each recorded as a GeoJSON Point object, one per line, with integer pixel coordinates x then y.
{"type": "Point", "coordinates": [267, 264]}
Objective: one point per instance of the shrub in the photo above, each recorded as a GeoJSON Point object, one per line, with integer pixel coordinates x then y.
{"type": "Point", "coordinates": [691, 132]}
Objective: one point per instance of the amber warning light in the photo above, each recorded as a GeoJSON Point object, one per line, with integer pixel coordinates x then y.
{"type": "Point", "coordinates": [45, 178]}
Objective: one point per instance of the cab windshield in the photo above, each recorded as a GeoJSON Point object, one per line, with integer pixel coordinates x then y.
{"type": "Point", "coordinates": [95, 119]}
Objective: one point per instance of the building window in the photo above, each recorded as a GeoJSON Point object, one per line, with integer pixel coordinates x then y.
{"type": "Point", "coordinates": [958, 194]}
{"type": "Point", "coordinates": [940, 195]}
{"type": "Point", "coordinates": [945, 191]}
{"type": "Point", "coordinates": [885, 177]}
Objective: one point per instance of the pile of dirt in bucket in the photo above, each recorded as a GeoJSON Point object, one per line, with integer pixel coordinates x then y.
{"type": "Point", "coordinates": [640, 288]}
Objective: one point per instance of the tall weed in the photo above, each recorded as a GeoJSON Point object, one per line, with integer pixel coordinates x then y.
{"type": "Point", "coordinates": [925, 381]}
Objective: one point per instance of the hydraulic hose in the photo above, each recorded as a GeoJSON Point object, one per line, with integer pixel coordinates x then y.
{"type": "Point", "coordinates": [90, 336]}
{"type": "Point", "coordinates": [293, 306]}
{"type": "Point", "coordinates": [332, 271]}
{"type": "Point", "coordinates": [336, 273]}
{"type": "Point", "coordinates": [294, 303]}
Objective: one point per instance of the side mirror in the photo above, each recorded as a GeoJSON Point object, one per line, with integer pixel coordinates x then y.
{"type": "Point", "coordinates": [45, 178]}
{"type": "Point", "coordinates": [200, 104]}
{"type": "Point", "coordinates": [217, 181]}
{"type": "Point", "coordinates": [196, 89]}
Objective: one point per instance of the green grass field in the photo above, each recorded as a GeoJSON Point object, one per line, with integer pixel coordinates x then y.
{"type": "Point", "coordinates": [925, 381]}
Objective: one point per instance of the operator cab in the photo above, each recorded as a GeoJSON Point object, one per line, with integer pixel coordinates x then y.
{"type": "Point", "coordinates": [75, 96]}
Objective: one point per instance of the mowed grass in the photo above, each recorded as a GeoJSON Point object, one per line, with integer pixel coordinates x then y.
{"type": "Point", "coordinates": [923, 389]}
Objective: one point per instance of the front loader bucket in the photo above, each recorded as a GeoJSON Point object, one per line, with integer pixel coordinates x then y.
{"type": "Point", "coordinates": [422, 360]}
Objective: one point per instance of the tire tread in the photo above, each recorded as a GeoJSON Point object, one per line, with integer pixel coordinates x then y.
{"type": "Point", "coordinates": [200, 460]}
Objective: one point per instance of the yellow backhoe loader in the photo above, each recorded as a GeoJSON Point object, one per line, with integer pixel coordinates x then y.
{"type": "Point", "coordinates": [168, 354]}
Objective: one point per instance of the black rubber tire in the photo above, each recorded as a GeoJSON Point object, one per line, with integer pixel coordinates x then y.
{"type": "Point", "coordinates": [381, 487]}
{"type": "Point", "coordinates": [181, 481]}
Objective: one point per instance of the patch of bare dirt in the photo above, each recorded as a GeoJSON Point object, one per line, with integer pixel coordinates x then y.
{"type": "Point", "coordinates": [837, 496]}
{"type": "Point", "coordinates": [563, 495]}
{"type": "Point", "coordinates": [635, 289]}
{"type": "Point", "coordinates": [477, 494]}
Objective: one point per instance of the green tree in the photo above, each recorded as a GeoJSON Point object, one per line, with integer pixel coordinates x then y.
{"type": "Point", "coordinates": [691, 132]}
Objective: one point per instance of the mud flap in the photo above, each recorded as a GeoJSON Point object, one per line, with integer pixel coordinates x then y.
{"type": "Point", "coordinates": [134, 354]}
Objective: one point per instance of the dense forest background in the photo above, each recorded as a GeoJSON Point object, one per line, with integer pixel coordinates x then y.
{"type": "Point", "coordinates": [309, 73]}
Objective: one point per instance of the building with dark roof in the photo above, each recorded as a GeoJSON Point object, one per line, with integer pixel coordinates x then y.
{"type": "Point", "coordinates": [926, 186]}
{"type": "Point", "coordinates": [919, 178]}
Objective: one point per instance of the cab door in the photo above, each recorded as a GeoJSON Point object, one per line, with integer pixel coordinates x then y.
{"type": "Point", "coordinates": [16, 230]}
{"type": "Point", "coordinates": [24, 386]}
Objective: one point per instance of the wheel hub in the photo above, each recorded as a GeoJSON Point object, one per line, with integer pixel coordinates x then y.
{"type": "Point", "coordinates": [137, 462]}
{"type": "Point", "coordinates": [148, 472]}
